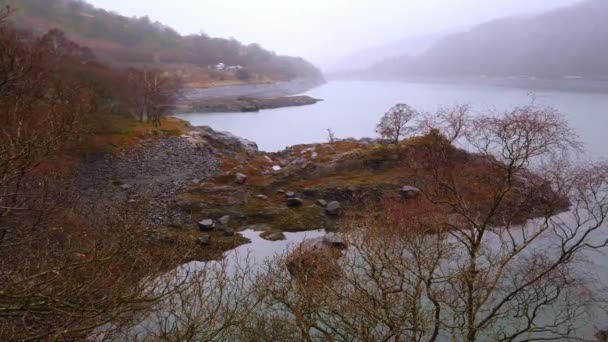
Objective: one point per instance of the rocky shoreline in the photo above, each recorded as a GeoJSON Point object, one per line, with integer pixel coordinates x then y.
{"type": "Point", "coordinates": [204, 187]}
{"type": "Point", "coordinates": [245, 104]}
{"type": "Point", "coordinates": [247, 98]}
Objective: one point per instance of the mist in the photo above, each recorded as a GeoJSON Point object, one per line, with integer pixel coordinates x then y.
{"type": "Point", "coordinates": [325, 32]}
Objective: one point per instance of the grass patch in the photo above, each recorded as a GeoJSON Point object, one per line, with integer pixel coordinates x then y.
{"type": "Point", "coordinates": [118, 132]}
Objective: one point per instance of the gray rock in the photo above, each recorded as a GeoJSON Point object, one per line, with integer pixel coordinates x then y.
{"type": "Point", "coordinates": [334, 209]}
{"type": "Point", "coordinates": [262, 197]}
{"type": "Point", "coordinates": [125, 186]}
{"type": "Point", "coordinates": [224, 220]}
{"type": "Point", "coordinates": [409, 192]}
{"type": "Point", "coordinates": [294, 202]}
{"type": "Point", "coordinates": [273, 236]}
{"type": "Point", "coordinates": [322, 202]}
{"type": "Point", "coordinates": [290, 194]}
{"type": "Point", "coordinates": [203, 241]}
{"type": "Point", "coordinates": [229, 232]}
{"type": "Point", "coordinates": [280, 191]}
{"type": "Point", "coordinates": [240, 178]}
{"type": "Point", "coordinates": [206, 225]}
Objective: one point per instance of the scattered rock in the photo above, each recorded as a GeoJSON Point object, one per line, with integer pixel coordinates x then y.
{"type": "Point", "coordinates": [262, 197]}
{"type": "Point", "coordinates": [203, 241]}
{"type": "Point", "coordinates": [273, 236]}
{"type": "Point", "coordinates": [294, 202]}
{"type": "Point", "coordinates": [240, 178]}
{"type": "Point", "coordinates": [206, 225]}
{"type": "Point", "coordinates": [322, 203]}
{"type": "Point", "coordinates": [334, 209]}
{"type": "Point", "coordinates": [224, 220]}
{"type": "Point", "coordinates": [410, 192]}
{"type": "Point", "coordinates": [290, 194]}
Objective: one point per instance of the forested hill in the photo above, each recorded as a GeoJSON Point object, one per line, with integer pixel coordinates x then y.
{"type": "Point", "coordinates": [128, 41]}
{"type": "Point", "coordinates": [570, 41]}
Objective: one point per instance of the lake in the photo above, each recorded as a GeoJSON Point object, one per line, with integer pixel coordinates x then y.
{"type": "Point", "coordinates": [353, 108]}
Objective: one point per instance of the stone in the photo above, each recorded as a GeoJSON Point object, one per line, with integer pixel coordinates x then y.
{"type": "Point", "coordinates": [262, 197]}
{"type": "Point", "coordinates": [410, 192]}
{"type": "Point", "coordinates": [224, 220]}
{"type": "Point", "coordinates": [276, 168]}
{"type": "Point", "coordinates": [290, 194]}
{"type": "Point", "coordinates": [281, 191]}
{"type": "Point", "coordinates": [203, 241]}
{"type": "Point", "coordinates": [125, 186]}
{"type": "Point", "coordinates": [322, 203]}
{"type": "Point", "coordinates": [229, 232]}
{"type": "Point", "coordinates": [273, 236]}
{"type": "Point", "coordinates": [294, 202]}
{"type": "Point", "coordinates": [334, 209]}
{"type": "Point", "coordinates": [240, 178]}
{"type": "Point", "coordinates": [206, 225]}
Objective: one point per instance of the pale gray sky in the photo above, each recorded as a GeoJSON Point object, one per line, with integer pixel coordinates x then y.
{"type": "Point", "coordinates": [322, 30]}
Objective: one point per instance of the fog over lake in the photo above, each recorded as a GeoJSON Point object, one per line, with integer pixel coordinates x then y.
{"type": "Point", "coordinates": [353, 108]}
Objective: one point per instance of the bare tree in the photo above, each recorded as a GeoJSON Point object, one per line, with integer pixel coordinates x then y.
{"type": "Point", "coordinates": [451, 121]}
{"type": "Point", "coordinates": [394, 125]}
{"type": "Point", "coordinates": [155, 93]}
{"type": "Point", "coordinates": [491, 251]}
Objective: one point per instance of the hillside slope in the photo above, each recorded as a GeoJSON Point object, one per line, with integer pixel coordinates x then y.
{"type": "Point", "coordinates": [570, 41]}
{"type": "Point", "coordinates": [128, 41]}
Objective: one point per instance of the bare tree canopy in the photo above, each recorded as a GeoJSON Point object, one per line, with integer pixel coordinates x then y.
{"type": "Point", "coordinates": [394, 125]}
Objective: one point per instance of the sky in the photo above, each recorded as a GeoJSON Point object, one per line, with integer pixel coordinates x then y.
{"type": "Point", "coordinates": [323, 31]}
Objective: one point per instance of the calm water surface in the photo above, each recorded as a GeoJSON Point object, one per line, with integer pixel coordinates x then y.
{"type": "Point", "coordinates": [352, 109]}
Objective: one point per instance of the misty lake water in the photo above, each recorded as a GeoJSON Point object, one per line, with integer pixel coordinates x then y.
{"type": "Point", "coordinates": [352, 109]}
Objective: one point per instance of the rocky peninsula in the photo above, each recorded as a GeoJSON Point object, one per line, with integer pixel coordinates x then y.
{"type": "Point", "coordinates": [202, 187]}
{"type": "Point", "coordinates": [248, 97]}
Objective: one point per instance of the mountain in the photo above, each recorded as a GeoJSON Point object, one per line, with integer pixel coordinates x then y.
{"type": "Point", "coordinates": [125, 41]}
{"type": "Point", "coordinates": [565, 42]}
{"type": "Point", "coordinates": [361, 59]}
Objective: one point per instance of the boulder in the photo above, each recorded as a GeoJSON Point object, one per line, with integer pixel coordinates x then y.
{"type": "Point", "coordinates": [290, 194]}
{"type": "Point", "coordinates": [224, 220]}
{"type": "Point", "coordinates": [334, 209]}
{"type": "Point", "coordinates": [203, 241]}
{"type": "Point", "coordinates": [409, 192]}
{"type": "Point", "coordinates": [322, 203]}
{"type": "Point", "coordinates": [240, 178]}
{"type": "Point", "coordinates": [294, 202]}
{"type": "Point", "coordinates": [206, 225]}
{"type": "Point", "coordinates": [273, 236]}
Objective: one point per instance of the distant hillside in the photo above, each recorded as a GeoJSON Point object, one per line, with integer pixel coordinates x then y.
{"type": "Point", "coordinates": [130, 41]}
{"type": "Point", "coordinates": [571, 41]}
{"type": "Point", "coordinates": [361, 59]}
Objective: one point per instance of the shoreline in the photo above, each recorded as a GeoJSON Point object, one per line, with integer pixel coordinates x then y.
{"type": "Point", "coordinates": [257, 91]}
{"type": "Point", "coordinates": [247, 97]}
